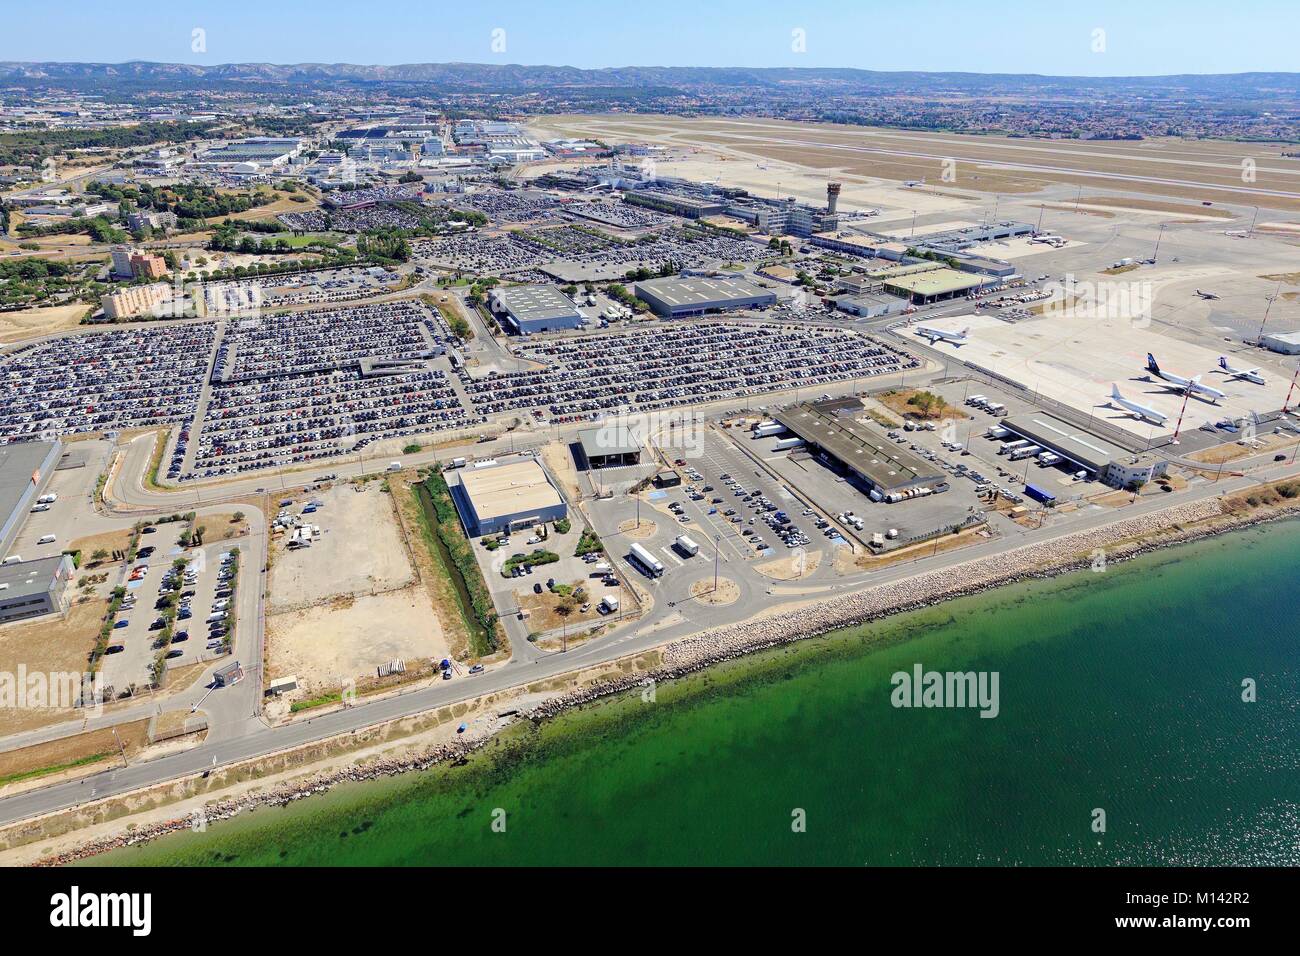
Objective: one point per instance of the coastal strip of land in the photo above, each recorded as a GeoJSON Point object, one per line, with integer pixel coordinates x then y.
{"type": "Point", "coordinates": [53, 839]}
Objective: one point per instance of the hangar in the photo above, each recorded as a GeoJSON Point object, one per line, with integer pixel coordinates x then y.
{"type": "Point", "coordinates": [673, 298]}
{"type": "Point", "coordinates": [536, 308]}
{"type": "Point", "coordinates": [871, 457]}
{"type": "Point", "coordinates": [496, 498]}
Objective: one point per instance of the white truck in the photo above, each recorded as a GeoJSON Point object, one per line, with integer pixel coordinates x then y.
{"type": "Point", "coordinates": [1011, 447]}
{"type": "Point", "coordinates": [649, 563]}
{"type": "Point", "coordinates": [767, 429]}
{"type": "Point", "coordinates": [607, 605]}
{"type": "Point", "coordinates": [456, 463]}
{"type": "Point", "coordinates": [1021, 453]}
{"type": "Point", "coordinates": [687, 546]}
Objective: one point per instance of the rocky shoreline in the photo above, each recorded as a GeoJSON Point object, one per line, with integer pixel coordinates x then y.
{"type": "Point", "coordinates": [689, 655]}
{"type": "Point", "coordinates": [280, 796]}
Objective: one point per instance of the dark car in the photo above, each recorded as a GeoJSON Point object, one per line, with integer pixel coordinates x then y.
{"type": "Point", "coordinates": [114, 649]}
{"type": "Point", "coordinates": [1279, 457]}
{"type": "Point", "coordinates": [180, 637]}
{"type": "Point", "coordinates": [148, 529]}
{"type": "Point", "coordinates": [537, 589]}
{"type": "Point", "coordinates": [174, 653]}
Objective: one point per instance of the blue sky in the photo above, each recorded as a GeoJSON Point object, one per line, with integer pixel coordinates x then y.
{"type": "Point", "coordinates": [1141, 37]}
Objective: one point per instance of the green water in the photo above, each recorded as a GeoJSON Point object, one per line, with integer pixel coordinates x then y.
{"type": "Point", "coordinates": [1120, 691]}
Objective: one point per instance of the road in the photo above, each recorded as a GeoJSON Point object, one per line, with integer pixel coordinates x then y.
{"type": "Point", "coordinates": [237, 737]}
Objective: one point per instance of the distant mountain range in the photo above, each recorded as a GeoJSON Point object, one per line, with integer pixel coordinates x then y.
{"type": "Point", "coordinates": [485, 76]}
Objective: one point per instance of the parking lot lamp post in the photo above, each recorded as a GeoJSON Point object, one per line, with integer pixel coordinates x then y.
{"type": "Point", "coordinates": [717, 553]}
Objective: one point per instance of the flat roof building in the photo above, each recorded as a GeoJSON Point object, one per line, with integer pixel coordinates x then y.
{"type": "Point", "coordinates": [610, 445]}
{"type": "Point", "coordinates": [33, 588]}
{"type": "Point", "coordinates": [25, 470]}
{"type": "Point", "coordinates": [934, 285]}
{"type": "Point", "coordinates": [673, 298]}
{"type": "Point", "coordinates": [688, 206]}
{"type": "Point", "coordinates": [536, 308]}
{"type": "Point", "coordinates": [1288, 343]}
{"type": "Point", "coordinates": [831, 429]}
{"type": "Point", "coordinates": [504, 497]}
{"type": "Point", "coordinates": [1110, 463]}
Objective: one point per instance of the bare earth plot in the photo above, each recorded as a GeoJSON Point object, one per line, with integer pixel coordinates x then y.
{"type": "Point", "coordinates": [360, 551]}
{"type": "Point", "coordinates": [350, 602]}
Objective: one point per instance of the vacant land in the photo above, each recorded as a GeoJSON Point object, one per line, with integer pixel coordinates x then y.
{"type": "Point", "coordinates": [48, 646]}
{"type": "Point", "coordinates": [73, 756]}
{"type": "Point", "coordinates": [33, 323]}
{"type": "Point", "coordinates": [360, 550]}
{"type": "Point", "coordinates": [348, 638]}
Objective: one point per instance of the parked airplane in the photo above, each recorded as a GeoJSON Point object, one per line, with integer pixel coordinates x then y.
{"type": "Point", "coordinates": [1139, 411]}
{"type": "Point", "coordinates": [937, 335]}
{"type": "Point", "coordinates": [1249, 374]}
{"type": "Point", "coordinates": [1191, 385]}
{"type": "Point", "coordinates": [1207, 295]}
{"type": "Point", "coordinates": [913, 183]}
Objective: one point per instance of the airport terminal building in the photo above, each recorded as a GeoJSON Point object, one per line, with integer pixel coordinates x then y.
{"type": "Point", "coordinates": [496, 498]}
{"type": "Point", "coordinates": [829, 429]}
{"type": "Point", "coordinates": [675, 298]}
{"type": "Point", "coordinates": [25, 470]}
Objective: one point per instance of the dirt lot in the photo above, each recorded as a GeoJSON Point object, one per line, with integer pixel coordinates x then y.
{"type": "Point", "coordinates": [350, 637]}
{"type": "Point", "coordinates": [31, 323]}
{"type": "Point", "coordinates": [360, 550]}
{"type": "Point", "coordinates": [48, 646]}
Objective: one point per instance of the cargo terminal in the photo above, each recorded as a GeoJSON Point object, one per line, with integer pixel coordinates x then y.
{"type": "Point", "coordinates": [829, 429]}
{"type": "Point", "coordinates": [1098, 457]}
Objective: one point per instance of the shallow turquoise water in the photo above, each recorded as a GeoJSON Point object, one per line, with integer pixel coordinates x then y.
{"type": "Point", "coordinates": [1119, 691]}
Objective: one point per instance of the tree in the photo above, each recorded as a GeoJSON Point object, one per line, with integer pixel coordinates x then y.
{"type": "Point", "coordinates": [98, 555]}
{"type": "Point", "coordinates": [238, 517]}
{"type": "Point", "coordinates": [565, 607]}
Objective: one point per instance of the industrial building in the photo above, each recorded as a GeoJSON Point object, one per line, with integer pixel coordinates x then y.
{"type": "Point", "coordinates": [25, 470]}
{"type": "Point", "coordinates": [492, 498]}
{"type": "Point", "coordinates": [673, 298]}
{"type": "Point", "coordinates": [536, 308]}
{"type": "Point", "coordinates": [257, 152]}
{"type": "Point", "coordinates": [610, 445]}
{"type": "Point", "coordinates": [1101, 459]}
{"type": "Point", "coordinates": [33, 588]}
{"type": "Point", "coordinates": [1287, 343]}
{"type": "Point", "coordinates": [830, 430]}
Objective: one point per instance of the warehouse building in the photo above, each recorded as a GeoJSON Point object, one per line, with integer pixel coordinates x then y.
{"type": "Point", "coordinates": [497, 498]}
{"type": "Point", "coordinates": [610, 445]}
{"type": "Point", "coordinates": [33, 588]}
{"type": "Point", "coordinates": [830, 430]}
{"type": "Point", "coordinates": [535, 308]}
{"type": "Point", "coordinates": [674, 298]}
{"type": "Point", "coordinates": [25, 470]}
{"type": "Point", "coordinates": [1085, 451]}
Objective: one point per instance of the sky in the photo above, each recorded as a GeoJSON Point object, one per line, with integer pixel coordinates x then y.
{"type": "Point", "coordinates": [1058, 37]}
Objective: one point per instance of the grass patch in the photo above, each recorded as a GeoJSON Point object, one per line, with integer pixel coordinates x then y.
{"type": "Point", "coordinates": [300, 705]}
{"type": "Point", "coordinates": [55, 768]}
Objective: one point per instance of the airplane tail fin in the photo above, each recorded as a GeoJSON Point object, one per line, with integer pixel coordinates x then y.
{"type": "Point", "coordinates": [1151, 363]}
{"type": "Point", "coordinates": [1223, 362]}
{"type": "Point", "coordinates": [1114, 391]}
